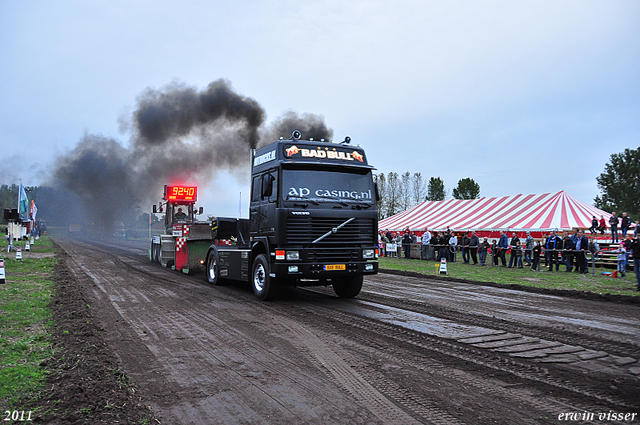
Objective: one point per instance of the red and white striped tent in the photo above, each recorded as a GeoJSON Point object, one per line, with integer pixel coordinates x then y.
{"type": "Point", "coordinates": [535, 213]}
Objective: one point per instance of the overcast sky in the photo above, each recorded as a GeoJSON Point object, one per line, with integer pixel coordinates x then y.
{"type": "Point", "coordinates": [523, 97]}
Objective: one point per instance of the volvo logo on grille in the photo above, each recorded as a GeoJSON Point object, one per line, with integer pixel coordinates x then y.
{"type": "Point", "coordinates": [300, 213]}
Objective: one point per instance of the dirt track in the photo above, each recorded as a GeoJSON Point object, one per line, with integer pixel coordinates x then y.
{"type": "Point", "coordinates": [407, 350]}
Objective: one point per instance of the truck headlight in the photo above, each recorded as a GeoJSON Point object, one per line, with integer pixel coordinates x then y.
{"type": "Point", "coordinates": [368, 254]}
{"type": "Point", "coordinates": [293, 269]}
{"type": "Point", "coordinates": [293, 255]}
{"type": "Point", "coordinates": [368, 267]}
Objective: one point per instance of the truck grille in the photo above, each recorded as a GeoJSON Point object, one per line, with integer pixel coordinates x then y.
{"type": "Point", "coordinates": [304, 230]}
{"type": "Point", "coordinates": [329, 255]}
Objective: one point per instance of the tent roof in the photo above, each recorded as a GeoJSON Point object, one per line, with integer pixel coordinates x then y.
{"type": "Point", "coordinates": [548, 211]}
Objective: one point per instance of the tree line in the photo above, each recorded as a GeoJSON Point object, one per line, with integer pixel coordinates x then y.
{"type": "Point", "coordinates": [399, 192]}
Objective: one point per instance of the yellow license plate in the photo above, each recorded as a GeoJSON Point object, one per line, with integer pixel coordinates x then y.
{"type": "Point", "coordinates": [331, 267]}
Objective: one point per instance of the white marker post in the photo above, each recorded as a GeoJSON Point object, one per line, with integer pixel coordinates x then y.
{"type": "Point", "coordinates": [18, 254]}
{"type": "Point", "coordinates": [2, 275]}
{"type": "Point", "coordinates": [443, 266]}
{"type": "Point", "coordinates": [27, 247]}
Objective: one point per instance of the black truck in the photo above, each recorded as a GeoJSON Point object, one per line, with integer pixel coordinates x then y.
{"type": "Point", "coordinates": [313, 221]}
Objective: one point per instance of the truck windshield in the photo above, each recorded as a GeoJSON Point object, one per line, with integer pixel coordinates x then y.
{"type": "Point", "coordinates": [327, 186]}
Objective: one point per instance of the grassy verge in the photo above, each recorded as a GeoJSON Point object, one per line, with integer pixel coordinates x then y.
{"type": "Point", "coordinates": [599, 284]}
{"type": "Point", "coordinates": [24, 322]}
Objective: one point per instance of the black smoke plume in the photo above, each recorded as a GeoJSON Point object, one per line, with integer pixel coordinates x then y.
{"type": "Point", "coordinates": [180, 136]}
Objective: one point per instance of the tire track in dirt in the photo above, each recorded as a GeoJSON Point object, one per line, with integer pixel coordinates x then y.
{"type": "Point", "coordinates": [281, 354]}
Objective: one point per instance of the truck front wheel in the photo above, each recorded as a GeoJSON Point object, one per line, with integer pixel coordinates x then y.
{"type": "Point", "coordinates": [264, 286]}
{"type": "Point", "coordinates": [348, 287]}
{"type": "Point", "coordinates": [213, 269]}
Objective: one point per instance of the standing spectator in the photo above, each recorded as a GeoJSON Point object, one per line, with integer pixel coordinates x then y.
{"type": "Point", "coordinates": [635, 253]}
{"type": "Point", "coordinates": [495, 252]}
{"type": "Point", "coordinates": [625, 224]}
{"type": "Point", "coordinates": [581, 247]}
{"type": "Point", "coordinates": [515, 241]}
{"type": "Point", "coordinates": [627, 245]}
{"type": "Point", "coordinates": [594, 249]}
{"type": "Point", "coordinates": [482, 250]}
{"type": "Point", "coordinates": [537, 249]}
{"type": "Point", "coordinates": [613, 222]}
{"type": "Point", "coordinates": [435, 245]}
{"type": "Point", "coordinates": [603, 225]}
{"type": "Point", "coordinates": [528, 247]}
{"type": "Point", "coordinates": [389, 236]}
{"type": "Point", "coordinates": [594, 225]}
{"type": "Point", "coordinates": [414, 238]}
{"type": "Point", "coordinates": [474, 241]}
{"type": "Point", "coordinates": [465, 249]}
{"type": "Point", "coordinates": [622, 255]}
{"type": "Point", "coordinates": [453, 246]}
{"type": "Point", "coordinates": [552, 245]}
{"type": "Point", "coordinates": [425, 251]}
{"type": "Point", "coordinates": [406, 243]}
{"type": "Point", "coordinates": [503, 244]}
{"type": "Point", "coordinates": [517, 250]}
{"type": "Point", "coordinates": [567, 252]}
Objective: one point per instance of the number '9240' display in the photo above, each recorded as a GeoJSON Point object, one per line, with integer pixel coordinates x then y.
{"type": "Point", "coordinates": [181, 193]}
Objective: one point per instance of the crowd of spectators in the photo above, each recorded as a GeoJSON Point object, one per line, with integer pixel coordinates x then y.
{"type": "Point", "coordinates": [570, 249]}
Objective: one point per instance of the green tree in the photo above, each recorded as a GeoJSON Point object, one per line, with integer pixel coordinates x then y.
{"type": "Point", "coordinates": [435, 189]}
{"type": "Point", "coordinates": [467, 189]}
{"type": "Point", "coordinates": [620, 183]}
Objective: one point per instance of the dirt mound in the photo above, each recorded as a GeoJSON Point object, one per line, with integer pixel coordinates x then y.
{"type": "Point", "coordinates": [86, 385]}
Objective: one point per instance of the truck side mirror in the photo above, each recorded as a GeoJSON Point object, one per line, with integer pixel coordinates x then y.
{"type": "Point", "coordinates": [375, 190]}
{"type": "Point", "coordinates": [155, 209]}
{"type": "Point", "coordinates": [200, 210]}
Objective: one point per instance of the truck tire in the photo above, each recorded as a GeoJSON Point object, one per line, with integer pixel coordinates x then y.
{"type": "Point", "coordinates": [155, 252]}
{"type": "Point", "coordinates": [213, 268]}
{"type": "Point", "coordinates": [264, 286]}
{"type": "Point", "coordinates": [348, 286]}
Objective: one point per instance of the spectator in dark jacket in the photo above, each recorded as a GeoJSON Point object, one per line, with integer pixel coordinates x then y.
{"type": "Point", "coordinates": [594, 225]}
{"type": "Point", "coordinates": [613, 222]}
{"type": "Point", "coordinates": [582, 245]}
{"type": "Point", "coordinates": [567, 252]}
{"type": "Point", "coordinates": [553, 244]}
{"type": "Point", "coordinates": [635, 254]}
{"type": "Point", "coordinates": [515, 241]}
{"type": "Point", "coordinates": [406, 244]}
{"type": "Point", "coordinates": [474, 241]}
{"type": "Point", "coordinates": [464, 243]}
{"type": "Point", "coordinates": [503, 245]}
{"type": "Point", "coordinates": [625, 223]}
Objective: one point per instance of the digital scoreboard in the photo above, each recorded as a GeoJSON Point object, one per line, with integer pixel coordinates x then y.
{"type": "Point", "coordinates": [181, 193]}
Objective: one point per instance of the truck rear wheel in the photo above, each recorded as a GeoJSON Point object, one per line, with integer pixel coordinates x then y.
{"type": "Point", "coordinates": [264, 286]}
{"type": "Point", "coordinates": [348, 286]}
{"type": "Point", "coordinates": [213, 268]}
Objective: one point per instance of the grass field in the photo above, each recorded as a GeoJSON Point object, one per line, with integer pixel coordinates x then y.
{"type": "Point", "coordinates": [24, 321]}
{"type": "Point", "coordinates": [599, 283]}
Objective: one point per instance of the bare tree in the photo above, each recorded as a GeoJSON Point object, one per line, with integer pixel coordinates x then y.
{"type": "Point", "coordinates": [381, 180]}
{"type": "Point", "coordinates": [405, 191]}
{"type": "Point", "coordinates": [419, 190]}
{"type": "Point", "coordinates": [393, 194]}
